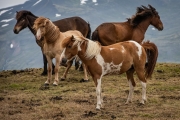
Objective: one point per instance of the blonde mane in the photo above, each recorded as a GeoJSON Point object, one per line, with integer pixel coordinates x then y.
{"type": "Point", "coordinates": [93, 48]}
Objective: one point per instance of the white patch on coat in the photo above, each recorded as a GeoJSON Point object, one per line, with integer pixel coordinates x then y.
{"type": "Point", "coordinates": [111, 48]}
{"type": "Point", "coordinates": [107, 67]}
{"type": "Point", "coordinates": [139, 52]}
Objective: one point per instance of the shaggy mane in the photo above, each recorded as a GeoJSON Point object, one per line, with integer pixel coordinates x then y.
{"type": "Point", "coordinates": [141, 14]}
{"type": "Point", "coordinates": [93, 48]}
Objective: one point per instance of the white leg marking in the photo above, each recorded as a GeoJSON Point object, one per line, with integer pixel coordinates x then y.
{"type": "Point", "coordinates": [131, 91]}
{"type": "Point", "coordinates": [98, 93]}
{"type": "Point", "coordinates": [143, 92]}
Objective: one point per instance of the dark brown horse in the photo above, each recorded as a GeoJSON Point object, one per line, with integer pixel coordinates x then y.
{"type": "Point", "coordinates": [26, 19]}
{"type": "Point", "coordinates": [133, 29]}
{"type": "Point", "coordinates": [119, 57]}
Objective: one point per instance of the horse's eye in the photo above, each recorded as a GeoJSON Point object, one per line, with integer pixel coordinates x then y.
{"type": "Point", "coordinates": [69, 46]}
{"type": "Point", "coordinates": [22, 19]}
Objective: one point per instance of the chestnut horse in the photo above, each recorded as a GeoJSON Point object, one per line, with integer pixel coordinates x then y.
{"type": "Point", "coordinates": [121, 57]}
{"type": "Point", "coordinates": [133, 29]}
{"type": "Point", "coordinates": [26, 19]}
{"type": "Point", "coordinates": [52, 48]}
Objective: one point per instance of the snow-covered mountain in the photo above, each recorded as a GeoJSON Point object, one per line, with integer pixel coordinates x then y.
{"type": "Point", "coordinates": [20, 51]}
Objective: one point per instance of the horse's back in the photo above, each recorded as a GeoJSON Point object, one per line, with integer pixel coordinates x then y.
{"type": "Point", "coordinates": [73, 23]}
{"type": "Point", "coordinates": [111, 33]}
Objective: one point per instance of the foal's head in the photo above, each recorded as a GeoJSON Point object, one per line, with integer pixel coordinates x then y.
{"type": "Point", "coordinates": [22, 21]}
{"type": "Point", "coordinates": [42, 26]}
{"type": "Point", "coordinates": [144, 13]}
{"type": "Point", "coordinates": [71, 46]}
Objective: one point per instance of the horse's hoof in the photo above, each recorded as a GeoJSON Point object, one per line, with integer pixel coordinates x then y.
{"type": "Point", "coordinates": [46, 84]}
{"type": "Point", "coordinates": [55, 84]}
{"type": "Point", "coordinates": [83, 80]}
{"type": "Point", "coordinates": [44, 73]}
{"type": "Point", "coordinates": [44, 87]}
{"type": "Point", "coordinates": [62, 79]}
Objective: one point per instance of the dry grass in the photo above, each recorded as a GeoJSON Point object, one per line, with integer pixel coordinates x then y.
{"type": "Point", "coordinates": [22, 98]}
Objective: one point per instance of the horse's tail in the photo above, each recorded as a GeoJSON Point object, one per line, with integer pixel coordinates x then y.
{"type": "Point", "coordinates": [152, 54]}
{"type": "Point", "coordinates": [95, 36]}
{"type": "Point", "coordinates": [89, 31]}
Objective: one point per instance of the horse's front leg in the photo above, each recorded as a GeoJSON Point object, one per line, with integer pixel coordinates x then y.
{"type": "Point", "coordinates": [85, 73]}
{"type": "Point", "coordinates": [56, 80]}
{"type": "Point", "coordinates": [98, 93]}
{"type": "Point", "coordinates": [49, 78]}
{"type": "Point", "coordinates": [69, 64]}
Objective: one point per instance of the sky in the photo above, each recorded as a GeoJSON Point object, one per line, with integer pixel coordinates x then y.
{"type": "Point", "coordinates": [9, 3]}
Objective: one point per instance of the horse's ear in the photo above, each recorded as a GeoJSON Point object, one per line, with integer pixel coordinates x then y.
{"type": "Point", "coordinates": [152, 8]}
{"type": "Point", "coordinates": [72, 37]}
{"type": "Point", "coordinates": [16, 11]}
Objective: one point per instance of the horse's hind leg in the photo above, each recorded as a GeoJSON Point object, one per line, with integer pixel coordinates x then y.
{"type": "Point", "coordinates": [141, 76]}
{"type": "Point", "coordinates": [132, 84]}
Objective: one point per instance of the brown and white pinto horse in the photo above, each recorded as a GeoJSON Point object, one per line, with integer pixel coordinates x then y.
{"type": "Point", "coordinates": [133, 29]}
{"type": "Point", "coordinates": [52, 44]}
{"type": "Point", "coordinates": [121, 57]}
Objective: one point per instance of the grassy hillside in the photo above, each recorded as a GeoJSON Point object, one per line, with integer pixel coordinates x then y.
{"type": "Point", "coordinates": [22, 96]}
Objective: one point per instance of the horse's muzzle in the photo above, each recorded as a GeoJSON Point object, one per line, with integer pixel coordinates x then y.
{"type": "Point", "coordinates": [16, 31]}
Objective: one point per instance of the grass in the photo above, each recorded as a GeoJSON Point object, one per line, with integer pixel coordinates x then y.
{"type": "Point", "coordinates": [21, 96]}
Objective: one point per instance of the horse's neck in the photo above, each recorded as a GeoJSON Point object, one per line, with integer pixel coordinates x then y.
{"type": "Point", "coordinates": [31, 20]}
{"type": "Point", "coordinates": [53, 35]}
{"type": "Point", "coordinates": [143, 26]}
{"type": "Point", "coordinates": [140, 30]}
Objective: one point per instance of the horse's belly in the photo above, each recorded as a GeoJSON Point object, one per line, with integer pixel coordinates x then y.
{"type": "Point", "coordinates": [111, 68]}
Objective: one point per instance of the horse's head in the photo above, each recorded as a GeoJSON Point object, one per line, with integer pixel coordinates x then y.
{"type": "Point", "coordinates": [146, 14]}
{"type": "Point", "coordinates": [156, 21]}
{"type": "Point", "coordinates": [22, 21]}
{"type": "Point", "coordinates": [41, 25]}
{"type": "Point", "coordinates": [70, 48]}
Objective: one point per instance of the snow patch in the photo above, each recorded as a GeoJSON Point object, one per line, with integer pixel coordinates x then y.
{"type": "Point", "coordinates": [7, 20]}
{"type": "Point", "coordinates": [37, 2]}
{"type": "Point", "coordinates": [58, 15]}
{"type": "Point", "coordinates": [4, 25]}
{"type": "Point", "coordinates": [3, 11]}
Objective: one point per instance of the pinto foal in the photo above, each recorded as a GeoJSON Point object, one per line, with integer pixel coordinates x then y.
{"type": "Point", "coordinates": [121, 57]}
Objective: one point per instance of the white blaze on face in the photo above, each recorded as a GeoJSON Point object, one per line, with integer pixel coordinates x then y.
{"type": "Point", "coordinates": [107, 67]}
{"type": "Point", "coordinates": [139, 52]}
{"type": "Point", "coordinates": [38, 34]}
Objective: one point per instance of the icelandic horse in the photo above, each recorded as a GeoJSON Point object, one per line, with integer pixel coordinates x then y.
{"type": "Point", "coordinates": [128, 56]}
{"type": "Point", "coordinates": [26, 19]}
{"type": "Point", "coordinates": [133, 29]}
{"type": "Point", "coordinates": [52, 37]}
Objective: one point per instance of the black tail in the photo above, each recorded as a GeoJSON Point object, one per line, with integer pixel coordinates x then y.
{"type": "Point", "coordinates": [95, 36]}
{"type": "Point", "coordinates": [89, 32]}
